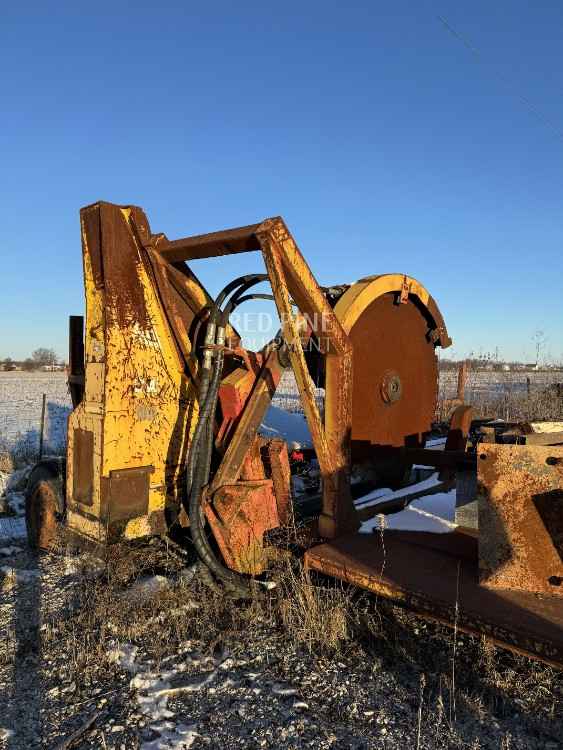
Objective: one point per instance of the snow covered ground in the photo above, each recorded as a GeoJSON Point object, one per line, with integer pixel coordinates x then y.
{"type": "Point", "coordinates": [260, 690]}
{"type": "Point", "coordinates": [433, 513]}
{"type": "Point", "coordinates": [20, 396]}
{"type": "Point", "coordinates": [12, 505]}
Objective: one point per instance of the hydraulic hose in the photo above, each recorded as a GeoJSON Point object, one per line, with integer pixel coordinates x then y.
{"type": "Point", "coordinates": [234, 303]}
{"type": "Point", "coordinates": [241, 284]}
{"type": "Point", "coordinates": [199, 460]}
{"type": "Point", "coordinates": [195, 514]}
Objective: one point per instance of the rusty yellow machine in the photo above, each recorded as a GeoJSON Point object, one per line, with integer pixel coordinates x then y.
{"type": "Point", "coordinates": [163, 439]}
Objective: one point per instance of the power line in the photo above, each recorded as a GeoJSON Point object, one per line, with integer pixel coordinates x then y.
{"type": "Point", "coordinates": [477, 54]}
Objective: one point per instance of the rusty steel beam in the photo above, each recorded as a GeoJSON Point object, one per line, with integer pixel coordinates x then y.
{"type": "Point", "coordinates": [290, 275]}
{"type": "Point", "coordinates": [425, 457]}
{"type": "Point", "coordinates": [226, 242]}
{"type": "Point", "coordinates": [436, 575]}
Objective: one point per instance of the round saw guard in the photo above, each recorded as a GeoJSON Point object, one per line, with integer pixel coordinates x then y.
{"type": "Point", "coordinates": [394, 326]}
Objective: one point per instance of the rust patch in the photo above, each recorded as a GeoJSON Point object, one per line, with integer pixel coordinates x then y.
{"type": "Point", "coordinates": [240, 515]}
{"type": "Point", "coordinates": [83, 466]}
{"type": "Point", "coordinates": [122, 264]}
{"type": "Point", "coordinates": [277, 462]}
{"type": "Point", "coordinates": [157, 522]}
{"type": "Point", "coordinates": [92, 241]}
{"type": "Point", "coordinates": [129, 493]}
{"type": "Point", "coordinates": [520, 519]}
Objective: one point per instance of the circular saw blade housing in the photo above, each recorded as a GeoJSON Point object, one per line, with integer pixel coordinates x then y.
{"type": "Point", "coordinates": [394, 326]}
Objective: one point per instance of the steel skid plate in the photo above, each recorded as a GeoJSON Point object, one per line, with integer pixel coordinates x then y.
{"type": "Point", "coordinates": [437, 575]}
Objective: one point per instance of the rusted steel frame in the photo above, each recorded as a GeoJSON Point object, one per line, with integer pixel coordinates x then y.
{"type": "Point", "coordinates": [436, 576]}
{"type": "Point", "coordinates": [442, 615]}
{"type": "Point", "coordinates": [180, 334]}
{"type": "Point", "coordinates": [544, 438]}
{"type": "Point", "coordinates": [520, 497]}
{"type": "Point", "coordinates": [249, 422]}
{"type": "Point", "coordinates": [460, 425]}
{"type": "Point", "coordinates": [426, 457]}
{"type": "Point", "coordinates": [274, 236]}
{"type": "Point", "coordinates": [290, 274]}
{"type": "Point", "coordinates": [533, 438]}
{"type": "Point", "coordinates": [238, 240]}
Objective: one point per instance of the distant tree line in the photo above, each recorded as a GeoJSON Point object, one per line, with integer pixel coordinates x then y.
{"type": "Point", "coordinates": [40, 359]}
{"type": "Point", "coordinates": [490, 363]}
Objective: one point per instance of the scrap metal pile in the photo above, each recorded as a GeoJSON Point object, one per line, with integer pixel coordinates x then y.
{"type": "Point", "coordinates": [164, 435]}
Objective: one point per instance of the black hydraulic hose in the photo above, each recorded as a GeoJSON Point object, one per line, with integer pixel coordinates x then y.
{"type": "Point", "coordinates": [245, 283]}
{"type": "Point", "coordinates": [250, 280]}
{"type": "Point", "coordinates": [195, 514]}
{"type": "Point", "coordinates": [242, 281]}
{"type": "Point", "coordinates": [234, 303]}
{"type": "Point", "coordinates": [201, 448]}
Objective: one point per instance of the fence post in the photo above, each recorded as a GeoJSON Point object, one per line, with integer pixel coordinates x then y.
{"type": "Point", "coordinates": [42, 427]}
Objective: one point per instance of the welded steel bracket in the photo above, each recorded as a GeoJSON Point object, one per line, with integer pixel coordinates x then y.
{"type": "Point", "coordinates": [520, 495]}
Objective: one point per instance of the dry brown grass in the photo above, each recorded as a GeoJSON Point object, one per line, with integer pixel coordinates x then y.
{"type": "Point", "coordinates": [542, 403]}
{"type": "Point", "coordinates": [312, 615]}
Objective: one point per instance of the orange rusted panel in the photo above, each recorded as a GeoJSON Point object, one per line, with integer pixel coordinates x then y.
{"type": "Point", "coordinates": [236, 387]}
{"type": "Point", "coordinates": [239, 516]}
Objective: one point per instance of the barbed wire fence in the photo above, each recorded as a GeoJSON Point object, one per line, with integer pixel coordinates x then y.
{"type": "Point", "coordinates": [33, 416]}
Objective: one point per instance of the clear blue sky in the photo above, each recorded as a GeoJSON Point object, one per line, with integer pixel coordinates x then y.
{"type": "Point", "coordinates": [385, 144]}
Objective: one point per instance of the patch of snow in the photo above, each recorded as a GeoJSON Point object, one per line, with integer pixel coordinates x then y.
{"type": "Point", "coordinates": [288, 425]}
{"type": "Point", "coordinates": [410, 519]}
{"type": "Point", "coordinates": [17, 480]}
{"type": "Point", "coordinates": [12, 528]}
{"type": "Point", "coordinates": [436, 443]}
{"type": "Point", "coordinates": [171, 737]}
{"type": "Point", "coordinates": [376, 496]}
{"type": "Point", "coordinates": [284, 690]}
{"type": "Point", "coordinates": [124, 655]}
{"type": "Point", "coordinates": [268, 585]}
{"type": "Point", "coordinates": [431, 513]}
{"type": "Point", "coordinates": [16, 501]}
{"type": "Point", "coordinates": [155, 688]}
{"type": "Point", "coordinates": [10, 550]}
